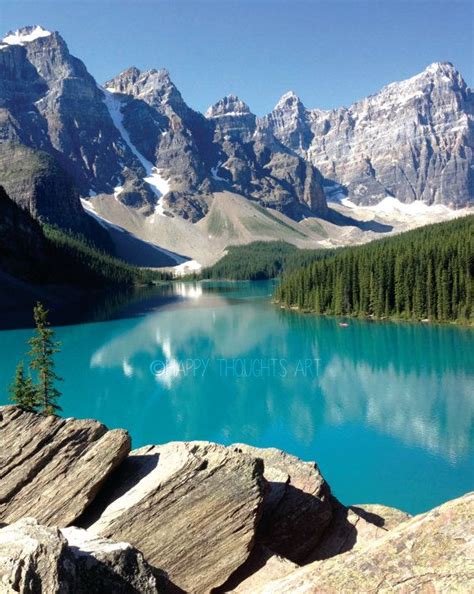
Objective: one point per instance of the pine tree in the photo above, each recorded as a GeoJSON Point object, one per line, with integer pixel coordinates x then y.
{"type": "Point", "coordinates": [22, 391]}
{"type": "Point", "coordinates": [42, 350]}
{"type": "Point", "coordinates": [423, 273]}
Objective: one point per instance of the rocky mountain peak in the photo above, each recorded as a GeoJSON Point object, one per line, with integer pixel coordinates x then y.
{"type": "Point", "coordinates": [445, 75]}
{"type": "Point", "coordinates": [442, 68]}
{"type": "Point", "coordinates": [230, 105]}
{"type": "Point", "coordinates": [439, 78]}
{"type": "Point", "coordinates": [124, 80]}
{"type": "Point", "coordinates": [289, 101]}
{"type": "Point", "coordinates": [155, 87]}
{"type": "Point", "coordinates": [288, 121]}
{"type": "Point", "coordinates": [25, 35]}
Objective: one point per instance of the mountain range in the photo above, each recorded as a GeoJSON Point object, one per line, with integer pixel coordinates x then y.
{"type": "Point", "coordinates": [133, 154]}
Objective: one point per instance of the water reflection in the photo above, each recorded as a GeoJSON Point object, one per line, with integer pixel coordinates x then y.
{"type": "Point", "coordinates": [409, 382]}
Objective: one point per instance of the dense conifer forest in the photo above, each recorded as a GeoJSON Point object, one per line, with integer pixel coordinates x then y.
{"type": "Point", "coordinates": [261, 260]}
{"type": "Point", "coordinates": [82, 263]}
{"type": "Point", "coordinates": [426, 273]}
{"type": "Point", "coordinates": [40, 254]}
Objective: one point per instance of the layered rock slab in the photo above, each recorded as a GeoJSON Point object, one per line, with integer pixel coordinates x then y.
{"type": "Point", "coordinates": [381, 515]}
{"type": "Point", "coordinates": [52, 468]}
{"type": "Point", "coordinates": [432, 552]}
{"type": "Point", "coordinates": [191, 508]}
{"type": "Point", "coordinates": [297, 505]}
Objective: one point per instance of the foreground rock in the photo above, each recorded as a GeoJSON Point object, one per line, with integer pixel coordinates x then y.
{"type": "Point", "coordinates": [106, 566]}
{"type": "Point", "coordinates": [297, 506]}
{"type": "Point", "coordinates": [36, 558]}
{"type": "Point", "coordinates": [432, 552]}
{"type": "Point", "coordinates": [191, 508]}
{"type": "Point", "coordinates": [52, 468]}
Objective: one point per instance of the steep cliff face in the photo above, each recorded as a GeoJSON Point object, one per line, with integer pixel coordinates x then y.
{"type": "Point", "coordinates": [56, 138]}
{"type": "Point", "coordinates": [50, 102]}
{"type": "Point", "coordinates": [63, 137]}
{"type": "Point", "coordinates": [135, 138]}
{"type": "Point", "coordinates": [414, 140]}
{"type": "Point", "coordinates": [225, 149]}
{"type": "Point", "coordinates": [23, 248]}
{"type": "Point", "coordinates": [260, 167]}
{"type": "Point", "coordinates": [175, 140]}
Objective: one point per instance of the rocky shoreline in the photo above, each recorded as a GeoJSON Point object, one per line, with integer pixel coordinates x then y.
{"type": "Point", "coordinates": [82, 512]}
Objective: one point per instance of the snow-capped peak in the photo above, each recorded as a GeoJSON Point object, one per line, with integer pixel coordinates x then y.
{"type": "Point", "coordinates": [25, 35]}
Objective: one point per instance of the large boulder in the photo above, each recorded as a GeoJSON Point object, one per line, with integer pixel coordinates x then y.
{"type": "Point", "coordinates": [34, 559]}
{"type": "Point", "coordinates": [106, 566]}
{"type": "Point", "coordinates": [191, 508]}
{"type": "Point", "coordinates": [52, 468]}
{"type": "Point", "coordinates": [297, 505]}
{"type": "Point", "coordinates": [432, 552]}
{"type": "Point", "coordinates": [42, 559]}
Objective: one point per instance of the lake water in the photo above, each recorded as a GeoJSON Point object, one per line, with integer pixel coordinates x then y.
{"type": "Point", "coordinates": [385, 409]}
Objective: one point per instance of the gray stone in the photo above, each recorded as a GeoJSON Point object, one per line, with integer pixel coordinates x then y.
{"type": "Point", "coordinates": [106, 566]}
{"type": "Point", "coordinates": [35, 559]}
{"type": "Point", "coordinates": [353, 527]}
{"type": "Point", "coordinates": [260, 568]}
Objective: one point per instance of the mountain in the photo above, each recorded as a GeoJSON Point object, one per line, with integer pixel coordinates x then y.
{"type": "Point", "coordinates": [414, 140]}
{"type": "Point", "coordinates": [51, 113]}
{"type": "Point", "coordinates": [199, 155]}
{"type": "Point", "coordinates": [133, 153]}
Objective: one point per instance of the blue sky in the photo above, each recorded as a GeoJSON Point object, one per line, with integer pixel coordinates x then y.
{"type": "Point", "coordinates": [329, 53]}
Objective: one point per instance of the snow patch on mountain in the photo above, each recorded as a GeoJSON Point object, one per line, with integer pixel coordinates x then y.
{"type": "Point", "coordinates": [153, 178]}
{"type": "Point", "coordinates": [187, 267]}
{"type": "Point", "coordinates": [390, 205]}
{"type": "Point", "coordinates": [214, 173]}
{"type": "Point", "coordinates": [25, 35]}
{"type": "Point", "coordinates": [117, 191]}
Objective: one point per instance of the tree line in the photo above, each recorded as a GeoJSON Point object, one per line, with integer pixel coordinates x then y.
{"type": "Point", "coordinates": [78, 261]}
{"type": "Point", "coordinates": [426, 273]}
{"type": "Point", "coordinates": [261, 260]}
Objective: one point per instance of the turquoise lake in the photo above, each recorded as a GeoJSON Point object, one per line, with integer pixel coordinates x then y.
{"type": "Point", "coordinates": [386, 409]}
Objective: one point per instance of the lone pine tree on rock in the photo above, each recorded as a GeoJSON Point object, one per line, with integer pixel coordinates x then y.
{"type": "Point", "coordinates": [43, 347]}
{"type": "Point", "coordinates": [42, 395]}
